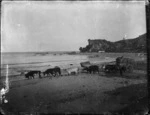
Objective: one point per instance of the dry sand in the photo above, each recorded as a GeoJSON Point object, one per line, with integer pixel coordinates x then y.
{"type": "Point", "coordinates": [83, 93]}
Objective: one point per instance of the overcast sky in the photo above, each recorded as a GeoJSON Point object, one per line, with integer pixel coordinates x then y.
{"type": "Point", "coordinates": [66, 26]}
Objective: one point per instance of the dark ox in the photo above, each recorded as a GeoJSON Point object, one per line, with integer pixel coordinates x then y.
{"type": "Point", "coordinates": [92, 69]}
{"type": "Point", "coordinates": [53, 71]}
{"type": "Point", "coordinates": [115, 68]}
{"type": "Point", "coordinates": [31, 74]}
{"type": "Point", "coordinates": [48, 72]}
{"type": "Point", "coordinates": [111, 68]}
{"type": "Point", "coordinates": [57, 71]}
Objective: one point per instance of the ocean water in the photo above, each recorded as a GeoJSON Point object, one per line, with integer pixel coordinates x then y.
{"type": "Point", "coordinates": [21, 62]}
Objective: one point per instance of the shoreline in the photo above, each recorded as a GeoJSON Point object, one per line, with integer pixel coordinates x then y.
{"type": "Point", "coordinates": [94, 58]}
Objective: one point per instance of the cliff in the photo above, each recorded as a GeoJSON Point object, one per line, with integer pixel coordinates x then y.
{"type": "Point", "coordinates": [127, 45]}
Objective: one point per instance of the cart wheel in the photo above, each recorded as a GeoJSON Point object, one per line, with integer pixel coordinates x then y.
{"type": "Point", "coordinates": [130, 68]}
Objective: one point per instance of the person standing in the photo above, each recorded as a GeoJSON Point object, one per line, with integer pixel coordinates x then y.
{"type": "Point", "coordinates": [118, 64]}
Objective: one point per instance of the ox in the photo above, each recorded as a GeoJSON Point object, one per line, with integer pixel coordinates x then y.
{"type": "Point", "coordinates": [31, 74]}
{"type": "Point", "coordinates": [49, 72]}
{"type": "Point", "coordinates": [74, 71]}
{"type": "Point", "coordinates": [57, 71]}
{"type": "Point", "coordinates": [53, 71]}
{"type": "Point", "coordinates": [115, 68]}
{"type": "Point", "coordinates": [92, 69]}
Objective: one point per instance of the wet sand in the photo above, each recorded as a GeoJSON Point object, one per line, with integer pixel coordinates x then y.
{"type": "Point", "coordinates": [83, 93]}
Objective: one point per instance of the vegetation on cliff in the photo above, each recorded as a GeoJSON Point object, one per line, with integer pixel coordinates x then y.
{"type": "Point", "coordinates": [126, 45]}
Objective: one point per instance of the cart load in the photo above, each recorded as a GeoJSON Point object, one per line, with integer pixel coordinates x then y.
{"type": "Point", "coordinates": [85, 64]}
{"type": "Point", "coordinates": [126, 64]}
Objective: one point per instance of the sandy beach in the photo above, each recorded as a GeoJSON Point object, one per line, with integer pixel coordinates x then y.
{"type": "Point", "coordinates": [83, 93]}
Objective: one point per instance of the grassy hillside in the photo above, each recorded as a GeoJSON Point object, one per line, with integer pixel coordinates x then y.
{"type": "Point", "coordinates": [132, 45]}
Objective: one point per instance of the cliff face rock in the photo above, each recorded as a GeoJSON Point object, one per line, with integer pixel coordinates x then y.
{"type": "Point", "coordinates": [127, 45]}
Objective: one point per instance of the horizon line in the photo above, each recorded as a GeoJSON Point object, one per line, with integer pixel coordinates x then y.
{"type": "Point", "coordinates": [35, 51]}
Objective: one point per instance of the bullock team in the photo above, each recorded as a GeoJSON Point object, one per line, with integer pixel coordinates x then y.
{"type": "Point", "coordinates": [49, 72]}
{"type": "Point", "coordinates": [56, 71]}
